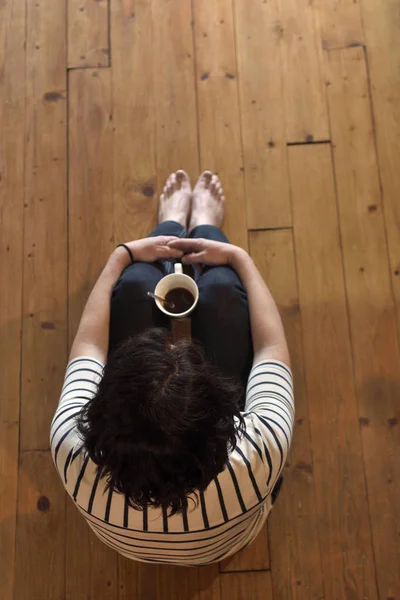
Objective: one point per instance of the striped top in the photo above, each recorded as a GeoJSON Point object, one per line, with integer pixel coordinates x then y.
{"type": "Point", "coordinates": [231, 511]}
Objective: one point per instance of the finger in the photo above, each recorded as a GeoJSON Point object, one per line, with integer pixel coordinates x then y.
{"type": "Point", "coordinates": [166, 252]}
{"type": "Point", "coordinates": [164, 239]}
{"type": "Point", "coordinates": [194, 258]}
{"type": "Point", "coordinates": [187, 244]}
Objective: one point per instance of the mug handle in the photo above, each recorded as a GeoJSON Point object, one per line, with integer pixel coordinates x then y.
{"type": "Point", "coordinates": [178, 268]}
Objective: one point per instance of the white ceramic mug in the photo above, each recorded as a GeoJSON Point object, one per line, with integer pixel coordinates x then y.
{"type": "Point", "coordinates": [176, 280]}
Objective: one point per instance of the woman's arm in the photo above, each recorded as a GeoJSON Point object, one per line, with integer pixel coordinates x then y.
{"type": "Point", "coordinates": [93, 332]}
{"type": "Point", "coordinates": [269, 341]}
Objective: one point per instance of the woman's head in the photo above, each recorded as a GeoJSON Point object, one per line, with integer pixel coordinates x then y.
{"type": "Point", "coordinates": [162, 422]}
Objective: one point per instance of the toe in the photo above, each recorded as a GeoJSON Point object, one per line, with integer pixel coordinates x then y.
{"type": "Point", "coordinates": [174, 183]}
{"type": "Point", "coordinates": [171, 184]}
{"type": "Point", "coordinates": [166, 188]}
{"type": "Point", "coordinates": [183, 179]}
{"type": "Point", "coordinates": [213, 185]}
{"type": "Point", "coordinates": [204, 179]}
{"type": "Point", "coordinates": [168, 184]}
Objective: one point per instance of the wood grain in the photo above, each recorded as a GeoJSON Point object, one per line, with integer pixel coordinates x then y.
{"type": "Point", "coordinates": [342, 509]}
{"type": "Point", "coordinates": [40, 538]}
{"type": "Point", "coordinates": [381, 27]}
{"type": "Point", "coordinates": [88, 33]}
{"type": "Point", "coordinates": [339, 23]}
{"type": "Point", "coordinates": [134, 166]}
{"type": "Point", "coordinates": [246, 586]}
{"type": "Point", "coordinates": [218, 109]}
{"type": "Point", "coordinates": [262, 114]}
{"type": "Point", "coordinates": [77, 564]}
{"type": "Point", "coordinates": [370, 301]}
{"type": "Point", "coordinates": [90, 184]}
{"type": "Point", "coordinates": [91, 573]}
{"type": "Point", "coordinates": [137, 580]}
{"type": "Point", "coordinates": [304, 87]}
{"type": "Point", "coordinates": [201, 583]}
{"type": "Point", "coordinates": [91, 566]}
{"type": "Point", "coordinates": [178, 92]}
{"type": "Point", "coordinates": [181, 329]}
{"type": "Point", "coordinates": [253, 558]}
{"type": "Point", "coordinates": [134, 172]}
{"type": "Point", "coordinates": [154, 582]}
{"type": "Point", "coordinates": [44, 340]}
{"type": "Point", "coordinates": [174, 83]}
{"type": "Point", "coordinates": [293, 525]}
{"type": "Point", "coordinates": [12, 139]}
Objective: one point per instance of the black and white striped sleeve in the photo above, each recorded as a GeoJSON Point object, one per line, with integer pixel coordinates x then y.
{"type": "Point", "coordinates": [80, 385]}
{"type": "Point", "coordinates": [270, 414]}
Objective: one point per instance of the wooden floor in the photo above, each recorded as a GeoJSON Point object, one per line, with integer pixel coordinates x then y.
{"type": "Point", "coordinates": [296, 104]}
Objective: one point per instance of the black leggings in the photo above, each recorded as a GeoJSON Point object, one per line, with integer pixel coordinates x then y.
{"type": "Point", "coordinates": [220, 321]}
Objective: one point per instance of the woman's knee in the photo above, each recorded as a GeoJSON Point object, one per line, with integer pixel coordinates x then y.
{"type": "Point", "coordinates": [129, 288]}
{"type": "Point", "coordinates": [222, 302]}
{"type": "Point", "coordinates": [136, 281]}
{"type": "Point", "coordinates": [222, 286]}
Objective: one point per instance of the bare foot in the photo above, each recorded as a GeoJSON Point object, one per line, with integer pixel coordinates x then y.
{"type": "Point", "coordinates": [175, 199]}
{"type": "Point", "coordinates": [208, 201]}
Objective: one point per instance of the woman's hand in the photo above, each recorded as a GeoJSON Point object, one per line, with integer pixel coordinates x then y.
{"type": "Point", "coordinates": [206, 252]}
{"type": "Point", "coordinates": [93, 332]}
{"type": "Point", "coordinates": [150, 249]}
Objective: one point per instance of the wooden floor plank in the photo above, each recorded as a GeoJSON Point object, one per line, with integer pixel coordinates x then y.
{"type": "Point", "coordinates": [198, 583]}
{"type": "Point", "coordinates": [304, 86]}
{"type": "Point", "coordinates": [342, 509]}
{"type": "Point", "coordinates": [137, 580]}
{"type": "Point", "coordinates": [134, 163]}
{"type": "Point", "coordinates": [134, 172]}
{"type": "Point", "coordinates": [218, 106]}
{"type": "Point", "coordinates": [44, 342]}
{"type": "Point", "coordinates": [371, 307]}
{"type": "Point", "coordinates": [77, 564]}
{"type": "Point", "coordinates": [12, 140]}
{"type": "Point", "coordinates": [262, 114]}
{"type": "Point", "coordinates": [246, 586]}
{"type": "Point", "coordinates": [40, 540]}
{"type": "Point", "coordinates": [91, 573]}
{"type": "Point", "coordinates": [90, 184]}
{"type": "Point", "coordinates": [155, 582]}
{"type": "Point", "coordinates": [381, 29]}
{"type": "Point", "coordinates": [253, 558]}
{"type": "Point", "coordinates": [88, 33]}
{"type": "Point", "coordinates": [175, 93]}
{"type": "Point", "coordinates": [293, 525]}
{"type": "Point", "coordinates": [339, 23]}
{"type": "Point", "coordinates": [160, 60]}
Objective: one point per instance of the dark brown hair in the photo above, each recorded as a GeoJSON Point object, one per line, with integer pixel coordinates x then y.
{"type": "Point", "coordinates": [163, 421]}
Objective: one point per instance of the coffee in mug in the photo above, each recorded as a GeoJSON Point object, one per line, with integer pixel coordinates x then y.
{"type": "Point", "coordinates": [178, 289]}
{"type": "Point", "coordinates": [178, 300]}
